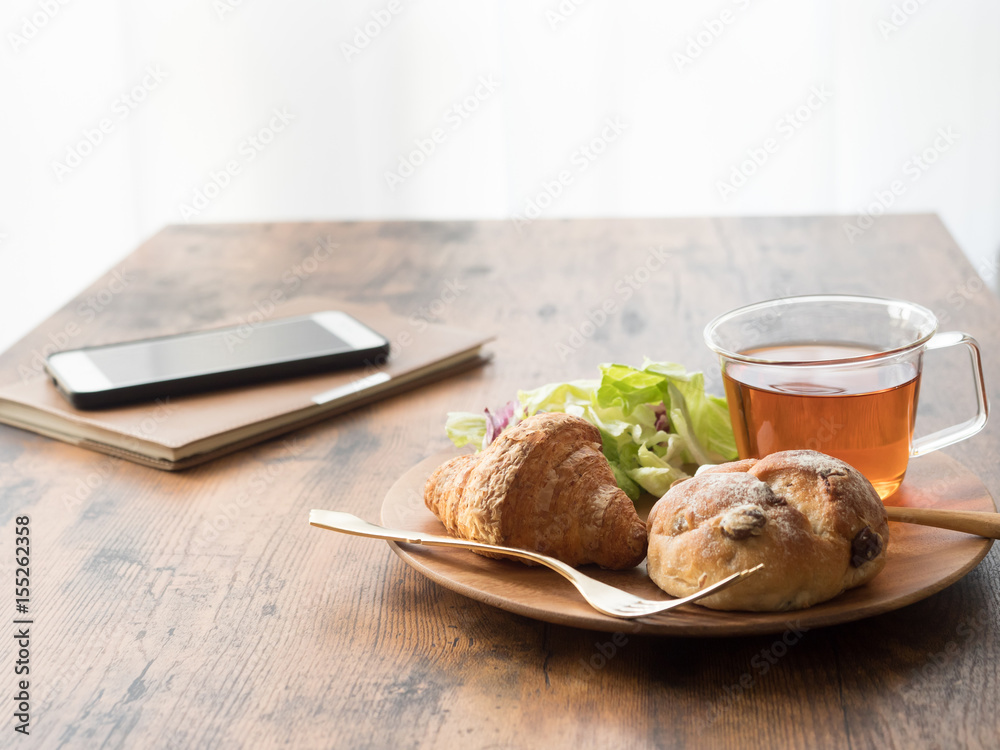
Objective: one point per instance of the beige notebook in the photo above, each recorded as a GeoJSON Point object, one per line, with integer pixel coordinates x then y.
{"type": "Point", "coordinates": [183, 431]}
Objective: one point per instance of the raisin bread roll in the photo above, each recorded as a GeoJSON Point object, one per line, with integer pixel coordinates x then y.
{"type": "Point", "coordinates": [815, 522]}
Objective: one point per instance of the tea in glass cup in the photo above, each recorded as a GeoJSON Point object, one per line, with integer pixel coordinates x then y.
{"type": "Point", "coordinates": [838, 374]}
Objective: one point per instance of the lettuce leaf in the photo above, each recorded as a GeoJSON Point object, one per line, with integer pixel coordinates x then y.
{"type": "Point", "coordinates": [654, 421]}
{"type": "Point", "coordinates": [464, 427]}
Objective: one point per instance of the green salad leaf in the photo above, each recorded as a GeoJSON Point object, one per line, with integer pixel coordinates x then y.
{"type": "Point", "coordinates": [655, 421]}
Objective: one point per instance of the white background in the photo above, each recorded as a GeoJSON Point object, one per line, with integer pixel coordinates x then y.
{"type": "Point", "coordinates": [893, 75]}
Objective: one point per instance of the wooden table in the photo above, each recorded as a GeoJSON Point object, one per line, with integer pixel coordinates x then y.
{"type": "Point", "coordinates": [167, 615]}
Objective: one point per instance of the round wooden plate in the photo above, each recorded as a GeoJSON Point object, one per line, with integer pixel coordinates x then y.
{"type": "Point", "coordinates": [922, 561]}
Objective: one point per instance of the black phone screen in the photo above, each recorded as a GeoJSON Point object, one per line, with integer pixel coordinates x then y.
{"type": "Point", "coordinates": [214, 351]}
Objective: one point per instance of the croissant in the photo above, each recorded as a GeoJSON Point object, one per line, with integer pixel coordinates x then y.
{"type": "Point", "coordinates": [542, 485]}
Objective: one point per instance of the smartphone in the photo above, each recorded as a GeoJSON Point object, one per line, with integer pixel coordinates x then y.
{"type": "Point", "coordinates": [103, 376]}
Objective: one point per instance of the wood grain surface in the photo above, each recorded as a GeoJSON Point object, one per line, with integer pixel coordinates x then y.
{"type": "Point", "coordinates": [200, 609]}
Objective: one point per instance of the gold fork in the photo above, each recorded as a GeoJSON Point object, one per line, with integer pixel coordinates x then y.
{"type": "Point", "coordinates": [602, 597]}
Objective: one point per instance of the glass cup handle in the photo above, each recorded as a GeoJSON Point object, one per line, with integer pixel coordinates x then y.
{"type": "Point", "coordinates": [970, 427]}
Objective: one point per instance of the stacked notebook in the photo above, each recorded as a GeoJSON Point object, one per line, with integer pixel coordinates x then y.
{"type": "Point", "coordinates": [179, 432]}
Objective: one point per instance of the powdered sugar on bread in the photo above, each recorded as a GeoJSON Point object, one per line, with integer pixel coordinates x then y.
{"type": "Point", "coordinates": [816, 524]}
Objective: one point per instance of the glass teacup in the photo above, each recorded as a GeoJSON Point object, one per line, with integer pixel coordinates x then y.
{"type": "Point", "coordinates": [839, 374]}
